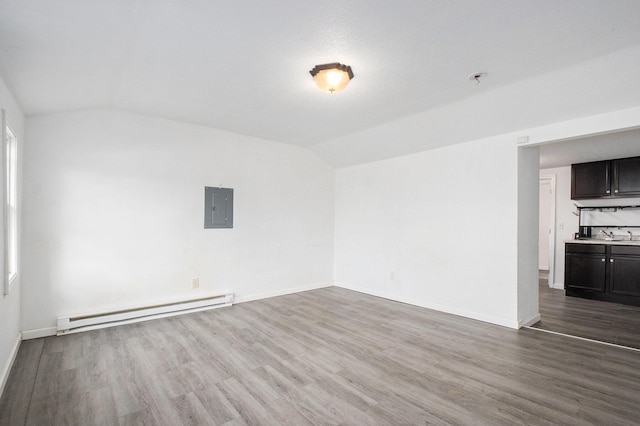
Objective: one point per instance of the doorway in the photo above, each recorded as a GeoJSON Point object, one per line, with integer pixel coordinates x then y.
{"type": "Point", "coordinates": [546, 228]}
{"type": "Point", "coordinates": [606, 322]}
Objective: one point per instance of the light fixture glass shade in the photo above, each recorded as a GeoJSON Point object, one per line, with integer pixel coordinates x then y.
{"type": "Point", "coordinates": [332, 77]}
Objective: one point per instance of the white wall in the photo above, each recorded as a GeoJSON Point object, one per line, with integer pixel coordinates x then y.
{"type": "Point", "coordinates": [454, 228]}
{"type": "Point", "coordinates": [10, 304]}
{"type": "Point", "coordinates": [113, 215]}
{"type": "Point", "coordinates": [438, 229]}
{"type": "Point", "coordinates": [528, 186]}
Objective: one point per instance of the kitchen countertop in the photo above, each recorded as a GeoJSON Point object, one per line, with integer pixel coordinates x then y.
{"type": "Point", "coordinates": [600, 241]}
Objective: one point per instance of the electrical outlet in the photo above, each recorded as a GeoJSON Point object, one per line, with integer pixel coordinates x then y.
{"type": "Point", "coordinates": [195, 282]}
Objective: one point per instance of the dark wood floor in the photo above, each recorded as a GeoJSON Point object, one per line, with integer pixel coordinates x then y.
{"type": "Point", "coordinates": [328, 356]}
{"type": "Point", "coordinates": [591, 319]}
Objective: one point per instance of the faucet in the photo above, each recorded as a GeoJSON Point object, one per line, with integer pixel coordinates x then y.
{"type": "Point", "coordinates": [630, 235]}
{"type": "Point", "coordinates": [609, 235]}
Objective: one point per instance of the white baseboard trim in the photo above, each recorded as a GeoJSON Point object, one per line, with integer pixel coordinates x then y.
{"type": "Point", "coordinates": [7, 367]}
{"type": "Point", "coordinates": [251, 297]}
{"type": "Point", "coordinates": [526, 323]}
{"type": "Point", "coordinates": [39, 332]}
{"type": "Point", "coordinates": [558, 286]}
{"type": "Point", "coordinates": [436, 307]}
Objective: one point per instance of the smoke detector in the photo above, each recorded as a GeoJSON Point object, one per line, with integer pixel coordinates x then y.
{"type": "Point", "coordinates": [477, 76]}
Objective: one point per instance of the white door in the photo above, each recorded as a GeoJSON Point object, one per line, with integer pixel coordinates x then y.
{"type": "Point", "coordinates": [547, 227]}
{"type": "Point", "coordinates": [544, 228]}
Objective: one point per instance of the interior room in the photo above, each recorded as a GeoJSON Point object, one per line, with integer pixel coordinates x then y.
{"type": "Point", "coordinates": [329, 213]}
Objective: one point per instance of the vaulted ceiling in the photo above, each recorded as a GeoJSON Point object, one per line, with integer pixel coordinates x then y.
{"type": "Point", "coordinates": [243, 66]}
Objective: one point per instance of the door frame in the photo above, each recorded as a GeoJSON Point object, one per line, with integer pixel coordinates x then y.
{"type": "Point", "coordinates": [551, 180]}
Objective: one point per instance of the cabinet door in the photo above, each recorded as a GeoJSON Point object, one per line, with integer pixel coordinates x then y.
{"type": "Point", "coordinates": [626, 177]}
{"type": "Point", "coordinates": [590, 180]}
{"type": "Point", "coordinates": [624, 273]}
{"type": "Point", "coordinates": [585, 271]}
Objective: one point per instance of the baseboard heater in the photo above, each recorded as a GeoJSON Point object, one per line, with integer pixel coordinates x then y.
{"type": "Point", "coordinates": [68, 325]}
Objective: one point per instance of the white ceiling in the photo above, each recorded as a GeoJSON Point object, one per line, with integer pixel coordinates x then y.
{"type": "Point", "coordinates": [242, 66]}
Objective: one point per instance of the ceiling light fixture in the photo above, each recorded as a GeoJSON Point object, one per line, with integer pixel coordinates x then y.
{"type": "Point", "coordinates": [332, 77]}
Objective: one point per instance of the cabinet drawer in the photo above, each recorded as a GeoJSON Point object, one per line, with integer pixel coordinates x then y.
{"type": "Point", "coordinates": [585, 248]}
{"type": "Point", "coordinates": [629, 250]}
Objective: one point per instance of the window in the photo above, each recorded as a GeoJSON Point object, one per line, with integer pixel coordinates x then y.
{"type": "Point", "coordinates": [10, 207]}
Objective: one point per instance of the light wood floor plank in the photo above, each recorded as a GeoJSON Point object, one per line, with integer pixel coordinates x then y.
{"type": "Point", "coordinates": [328, 356]}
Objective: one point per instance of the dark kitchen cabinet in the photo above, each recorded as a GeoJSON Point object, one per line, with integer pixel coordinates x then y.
{"type": "Point", "coordinates": [585, 267]}
{"type": "Point", "coordinates": [603, 272]}
{"type": "Point", "coordinates": [605, 179]}
{"type": "Point", "coordinates": [624, 271]}
{"type": "Point", "coordinates": [626, 177]}
{"type": "Point", "coordinates": [591, 180]}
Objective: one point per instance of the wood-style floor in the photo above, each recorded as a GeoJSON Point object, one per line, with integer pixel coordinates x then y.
{"type": "Point", "coordinates": [328, 356]}
{"type": "Point", "coordinates": [591, 319]}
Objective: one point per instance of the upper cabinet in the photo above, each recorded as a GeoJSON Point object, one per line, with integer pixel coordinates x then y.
{"type": "Point", "coordinates": [605, 179]}
{"type": "Point", "coordinates": [626, 177]}
{"type": "Point", "coordinates": [591, 180]}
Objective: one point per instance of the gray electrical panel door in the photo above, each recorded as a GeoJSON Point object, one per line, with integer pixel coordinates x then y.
{"type": "Point", "coordinates": [218, 207]}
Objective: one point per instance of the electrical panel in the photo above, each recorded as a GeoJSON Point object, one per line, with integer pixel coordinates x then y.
{"type": "Point", "coordinates": [218, 207]}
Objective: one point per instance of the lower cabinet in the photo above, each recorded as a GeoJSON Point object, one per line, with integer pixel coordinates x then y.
{"type": "Point", "coordinates": [624, 271]}
{"type": "Point", "coordinates": [603, 272]}
{"type": "Point", "coordinates": [585, 267]}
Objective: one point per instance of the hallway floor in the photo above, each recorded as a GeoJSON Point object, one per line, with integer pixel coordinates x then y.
{"type": "Point", "coordinates": [591, 319]}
